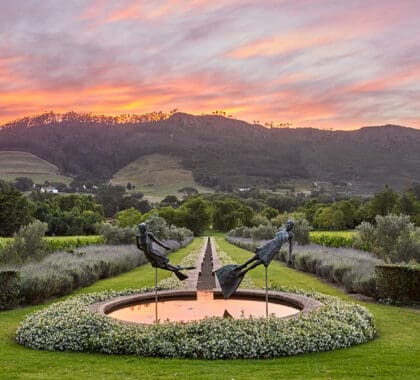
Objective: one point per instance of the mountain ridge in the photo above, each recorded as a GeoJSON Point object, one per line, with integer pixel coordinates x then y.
{"type": "Point", "coordinates": [223, 153]}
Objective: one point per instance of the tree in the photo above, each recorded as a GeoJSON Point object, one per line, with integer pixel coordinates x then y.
{"type": "Point", "coordinates": [111, 198]}
{"type": "Point", "coordinates": [89, 220]}
{"type": "Point", "coordinates": [72, 214]}
{"type": "Point", "coordinates": [196, 214]}
{"type": "Point", "coordinates": [230, 213]}
{"type": "Point", "coordinates": [170, 200]}
{"type": "Point", "coordinates": [128, 218]}
{"type": "Point", "coordinates": [27, 243]}
{"type": "Point", "coordinates": [329, 218]}
{"type": "Point", "coordinates": [270, 212]}
{"type": "Point", "coordinates": [382, 202]}
{"type": "Point", "coordinates": [349, 213]}
{"type": "Point", "coordinates": [409, 205]}
{"type": "Point", "coordinates": [172, 216]}
{"type": "Point", "coordinates": [282, 202]}
{"type": "Point", "coordinates": [23, 183]}
{"type": "Point", "coordinates": [15, 209]}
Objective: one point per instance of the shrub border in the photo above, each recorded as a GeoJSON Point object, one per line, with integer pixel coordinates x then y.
{"type": "Point", "coordinates": [398, 283]}
{"type": "Point", "coordinates": [72, 326]}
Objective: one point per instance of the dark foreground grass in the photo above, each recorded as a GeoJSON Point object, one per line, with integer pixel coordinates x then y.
{"type": "Point", "coordinates": [393, 355]}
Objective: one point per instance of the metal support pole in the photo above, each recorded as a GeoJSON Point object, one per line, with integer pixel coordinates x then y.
{"type": "Point", "coordinates": [266, 291]}
{"type": "Point", "coordinates": [289, 260]}
{"type": "Point", "coordinates": [156, 295]}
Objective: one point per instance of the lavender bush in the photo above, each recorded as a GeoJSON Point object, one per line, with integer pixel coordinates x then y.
{"type": "Point", "coordinates": [394, 238]}
{"type": "Point", "coordinates": [60, 273]}
{"type": "Point", "coordinates": [350, 268]}
{"type": "Point", "coordinates": [157, 225]}
{"type": "Point", "coordinates": [267, 232]}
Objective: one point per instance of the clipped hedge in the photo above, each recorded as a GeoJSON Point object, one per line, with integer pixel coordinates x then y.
{"type": "Point", "coordinates": [398, 283]}
{"type": "Point", "coordinates": [72, 326]}
{"type": "Point", "coordinates": [9, 289]}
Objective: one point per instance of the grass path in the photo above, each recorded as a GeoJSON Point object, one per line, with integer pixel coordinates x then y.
{"type": "Point", "coordinates": [393, 355]}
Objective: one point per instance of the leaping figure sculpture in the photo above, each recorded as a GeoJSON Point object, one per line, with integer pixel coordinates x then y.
{"type": "Point", "coordinates": [144, 241]}
{"type": "Point", "coordinates": [231, 276]}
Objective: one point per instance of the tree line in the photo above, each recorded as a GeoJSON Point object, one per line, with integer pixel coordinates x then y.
{"type": "Point", "coordinates": [77, 214]}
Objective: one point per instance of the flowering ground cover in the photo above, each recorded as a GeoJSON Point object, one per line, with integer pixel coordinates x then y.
{"type": "Point", "coordinates": [393, 354]}
{"type": "Point", "coordinates": [71, 326]}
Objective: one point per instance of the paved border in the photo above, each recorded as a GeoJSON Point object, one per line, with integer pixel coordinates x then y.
{"type": "Point", "coordinates": [191, 282]}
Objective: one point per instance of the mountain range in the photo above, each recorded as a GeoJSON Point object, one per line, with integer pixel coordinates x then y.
{"type": "Point", "coordinates": [222, 153]}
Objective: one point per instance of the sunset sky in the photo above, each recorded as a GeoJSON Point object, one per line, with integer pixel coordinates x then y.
{"type": "Point", "coordinates": [326, 64]}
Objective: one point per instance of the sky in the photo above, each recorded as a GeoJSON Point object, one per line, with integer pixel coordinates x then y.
{"type": "Point", "coordinates": [339, 64]}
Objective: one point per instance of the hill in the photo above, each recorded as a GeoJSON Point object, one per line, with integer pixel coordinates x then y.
{"type": "Point", "coordinates": [223, 153]}
{"type": "Point", "coordinates": [14, 164]}
{"type": "Point", "coordinates": [156, 176]}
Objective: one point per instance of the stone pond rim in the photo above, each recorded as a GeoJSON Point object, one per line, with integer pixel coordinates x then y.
{"type": "Point", "coordinates": [302, 303]}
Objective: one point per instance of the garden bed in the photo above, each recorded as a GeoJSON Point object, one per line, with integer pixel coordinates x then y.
{"type": "Point", "coordinates": [72, 326]}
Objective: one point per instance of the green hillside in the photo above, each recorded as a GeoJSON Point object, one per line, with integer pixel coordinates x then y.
{"type": "Point", "coordinates": [156, 176]}
{"type": "Point", "coordinates": [15, 164]}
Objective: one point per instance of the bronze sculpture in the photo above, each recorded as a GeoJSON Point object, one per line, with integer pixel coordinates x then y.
{"type": "Point", "coordinates": [231, 276]}
{"type": "Point", "coordinates": [144, 241]}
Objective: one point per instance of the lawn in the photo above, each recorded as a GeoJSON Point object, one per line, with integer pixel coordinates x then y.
{"type": "Point", "coordinates": [394, 354]}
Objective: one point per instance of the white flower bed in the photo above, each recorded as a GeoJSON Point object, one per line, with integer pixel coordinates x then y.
{"type": "Point", "coordinates": [72, 326]}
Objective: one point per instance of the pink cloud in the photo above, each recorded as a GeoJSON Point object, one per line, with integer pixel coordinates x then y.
{"type": "Point", "coordinates": [325, 63]}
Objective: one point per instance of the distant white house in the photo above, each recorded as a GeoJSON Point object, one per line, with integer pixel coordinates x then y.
{"type": "Point", "coordinates": [49, 189]}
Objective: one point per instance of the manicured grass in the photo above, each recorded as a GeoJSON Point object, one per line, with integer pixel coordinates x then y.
{"type": "Point", "coordinates": [394, 354]}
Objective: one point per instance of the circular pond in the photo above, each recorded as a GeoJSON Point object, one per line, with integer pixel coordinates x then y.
{"type": "Point", "coordinates": [202, 306]}
{"type": "Point", "coordinates": [188, 305]}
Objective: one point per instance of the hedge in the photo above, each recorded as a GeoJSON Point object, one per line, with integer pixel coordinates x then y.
{"type": "Point", "coordinates": [398, 283]}
{"type": "Point", "coordinates": [9, 289]}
